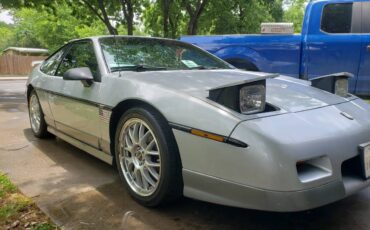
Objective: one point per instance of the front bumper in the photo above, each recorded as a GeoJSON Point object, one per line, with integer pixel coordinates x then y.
{"type": "Point", "coordinates": [216, 190]}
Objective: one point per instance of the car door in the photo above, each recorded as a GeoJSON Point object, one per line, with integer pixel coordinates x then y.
{"type": "Point", "coordinates": [363, 82]}
{"type": "Point", "coordinates": [333, 43]}
{"type": "Point", "coordinates": [73, 105]}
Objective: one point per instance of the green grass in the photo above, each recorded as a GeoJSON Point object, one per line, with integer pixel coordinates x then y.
{"type": "Point", "coordinates": [14, 204]}
{"type": "Point", "coordinates": [44, 226]}
{"type": "Point", "coordinates": [6, 186]}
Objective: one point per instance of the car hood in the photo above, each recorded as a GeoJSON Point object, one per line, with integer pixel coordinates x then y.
{"type": "Point", "coordinates": [288, 94]}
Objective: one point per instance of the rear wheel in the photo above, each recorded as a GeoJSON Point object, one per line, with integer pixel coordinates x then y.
{"type": "Point", "coordinates": [37, 121]}
{"type": "Point", "coordinates": [147, 157]}
{"type": "Point", "coordinates": [243, 64]}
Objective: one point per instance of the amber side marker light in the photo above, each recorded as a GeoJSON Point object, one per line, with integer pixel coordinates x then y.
{"type": "Point", "coordinates": [207, 135]}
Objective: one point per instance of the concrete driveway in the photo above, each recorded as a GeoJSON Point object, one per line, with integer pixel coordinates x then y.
{"type": "Point", "coordinates": [80, 192]}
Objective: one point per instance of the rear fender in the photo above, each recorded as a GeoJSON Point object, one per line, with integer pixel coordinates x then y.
{"type": "Point", "coordinates": [241, 52]}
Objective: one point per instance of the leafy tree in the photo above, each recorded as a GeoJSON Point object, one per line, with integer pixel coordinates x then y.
{"type": "Point", "coordinates": [40, 28]}
{"type": "Point", "coordinates": [295, 13]}
{"type": "Point", "coordinates": [194, 8]}
{"type": "Point", "coordinates": [171, 18]}
{"type": "Point", "coordinates": [157, 23]}
{"type": "Point", "coordinates": [7, 35]}
{"type": "Point", "coordinates": [239, 16]}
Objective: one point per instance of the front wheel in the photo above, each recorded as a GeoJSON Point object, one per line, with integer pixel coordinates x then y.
{"type": "Point", "coordinates": [147, 157]}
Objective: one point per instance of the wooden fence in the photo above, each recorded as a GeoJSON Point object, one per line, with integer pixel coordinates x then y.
{"type": "Point", "coordinates": [16, 64]}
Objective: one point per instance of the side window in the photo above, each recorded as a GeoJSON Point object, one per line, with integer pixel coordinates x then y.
{"type": "Point", "coordinates": [51, 64]}
{"type": "Point", "coordinates": [337, 18]}
{"type": "Point", "coordinates": [366, 17]}
{"type": "Point", "coordinates": [81, 54]}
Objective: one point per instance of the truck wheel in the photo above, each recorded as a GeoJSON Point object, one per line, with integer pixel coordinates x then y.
{"type": "Point", "coordinates": [147, 157]}
{"type": "Point", "coordinates": [38, 124]}
{"type": "Point", "coordinates": [242, 64]}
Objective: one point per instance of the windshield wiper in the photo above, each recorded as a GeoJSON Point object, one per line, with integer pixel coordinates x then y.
{"type": "Point", "coordinates": [203, 67]}
{"type": "Point", "coordinates": [137, 68]}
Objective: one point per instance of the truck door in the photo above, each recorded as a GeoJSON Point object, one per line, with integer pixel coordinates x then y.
{"type": "Point", "coordinates": [333, 42]}
{"type": "Point", "coordinates": [363, 82]}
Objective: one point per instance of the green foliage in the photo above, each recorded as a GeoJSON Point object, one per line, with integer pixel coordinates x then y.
{"type": "Point", "coordinates": [153, 19]}
{"type": "Point", "coordinates": [49, 24]}
{"type": "Point", "coordinates": [11, 201]}
{"type": "Point", "coordinates": [49, 29]}
{"type": "Point", "coordinates": [16, 203]}
{"type": "Point", "coordinates": [6, 37]}
{"type": "Point", "coordinates": [236, 17]}
{"type": "Point", "coordinates": [295, 14]}
{"type": "Point", "coordinates": [44, 226]}
{"type": "Point", "coordinates": [219, 17]}
{"type": "Point", "coordinates": [6, 186]}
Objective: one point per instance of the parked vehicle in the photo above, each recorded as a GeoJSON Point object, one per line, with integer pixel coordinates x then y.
{"type": "Point", "coordinates": [335, 38]}
{"type": "Point", "coordinates": [177, 120]}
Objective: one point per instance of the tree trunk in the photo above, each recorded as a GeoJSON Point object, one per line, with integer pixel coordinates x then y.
{"type": "Point", "coordinates": [194, 15]}
{"type": "Point", "coordinates": [105, 17]}
{"type": "Point", "coordinates": [166, 10]}
{"type": "Point", "coordinates": [128, 13]}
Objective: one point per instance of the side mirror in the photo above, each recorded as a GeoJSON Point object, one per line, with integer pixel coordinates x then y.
{"type": "Point", "coordinates": [82, 74]}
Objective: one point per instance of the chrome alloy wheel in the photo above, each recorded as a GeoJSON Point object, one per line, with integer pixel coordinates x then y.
{"type": "Point", "coordinates": [35, 113]}
{"type": "Point", "coordinates": [139, 157]}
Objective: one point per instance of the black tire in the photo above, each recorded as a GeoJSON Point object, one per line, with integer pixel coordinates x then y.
{"type": "Point", "coordinates": [170, 185]}
{"type": "Point", "coordinates": [42, 131]}
{"type": "Point", "coordinates": [243, 64]}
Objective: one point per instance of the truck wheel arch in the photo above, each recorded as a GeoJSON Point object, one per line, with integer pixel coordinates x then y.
{"type": "Point", "coordinates": [242, 64]}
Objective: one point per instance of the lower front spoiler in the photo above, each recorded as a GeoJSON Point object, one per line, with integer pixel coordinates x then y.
{"type": "Point", "coordinates": [215, 190]}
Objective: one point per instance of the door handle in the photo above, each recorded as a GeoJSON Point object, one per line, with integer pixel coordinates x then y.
{"type": "Point", "coordinates": [368, 48]}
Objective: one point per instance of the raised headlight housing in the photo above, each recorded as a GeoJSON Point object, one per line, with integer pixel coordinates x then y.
{"type": "Point", "coordinates": [246, 98]}
{"type": "Point", "coordinates": [336, 83]}
{"type": "Point", "coordinates": [252, 98]}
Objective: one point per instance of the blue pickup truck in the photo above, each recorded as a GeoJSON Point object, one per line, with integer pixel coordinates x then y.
{"type": "Point", "coordinates": [335, 38]}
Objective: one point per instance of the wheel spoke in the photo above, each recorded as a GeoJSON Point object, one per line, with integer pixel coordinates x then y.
{"type": "Point", "coordinates": [153, 153]}
{"type": "Point", "coordinates": [144, 138]}
{"type": "Point", "coordinates": [148, 179]}
{"type": "Point", "coordinates": [150, 145]}
{"type": "Point", "coordinates": [139, 157]}
{"type": "Point", "coordinates": [153, 173]}
{"type": "Point", "coordinates": [152, 164]}
{"type": "Point", "coordinates": [131, 135]}
{"type": "Point", "coordinates": [136, 133]}
{"type": "Point", "coordinates": [141, 131]}
{"type": "Point", "coordinates": [144, 179]}
{"type": "Point", "coordinates": [138, 179]}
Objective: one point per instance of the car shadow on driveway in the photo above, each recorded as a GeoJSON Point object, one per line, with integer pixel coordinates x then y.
{"type": "Point", "coordinates": [81, 192]}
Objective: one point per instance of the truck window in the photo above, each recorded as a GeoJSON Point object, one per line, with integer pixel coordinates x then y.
{"type": "Point", "coordinates": [366, 17]}
{"type": "Point", "coordinates": [337, 18]}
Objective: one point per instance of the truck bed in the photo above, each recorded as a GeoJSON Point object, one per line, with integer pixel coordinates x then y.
{"type": "Point", "coordinates": [269, 53]}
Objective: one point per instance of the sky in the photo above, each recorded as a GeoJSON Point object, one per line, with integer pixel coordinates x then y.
{"type": "Point", "coordinates": [6, 17]}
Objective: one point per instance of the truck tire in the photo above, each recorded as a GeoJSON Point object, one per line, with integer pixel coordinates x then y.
{"type": "Point", "coordinates": [243, 64]}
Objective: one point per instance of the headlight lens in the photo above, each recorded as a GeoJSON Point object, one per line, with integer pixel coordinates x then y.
{"type": "Point", "coordinates": [252, 99]}
{"type": "Point", "coordinates": [341, 87]}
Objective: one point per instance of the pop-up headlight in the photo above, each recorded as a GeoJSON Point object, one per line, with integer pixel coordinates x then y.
{"type": "Point", "coordinates": [334, 83]}
{"type": "Point", "coordinates": [245, 98]}
{"type": "Point", "coordinates": [252, 98]}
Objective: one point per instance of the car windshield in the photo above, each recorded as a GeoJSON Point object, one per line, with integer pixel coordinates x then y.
{"type": "Point", "coordinates": [147, 54]}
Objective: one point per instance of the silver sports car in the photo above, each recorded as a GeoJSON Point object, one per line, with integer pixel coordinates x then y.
{"type": "Point", "coordinates": [177, 120]}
